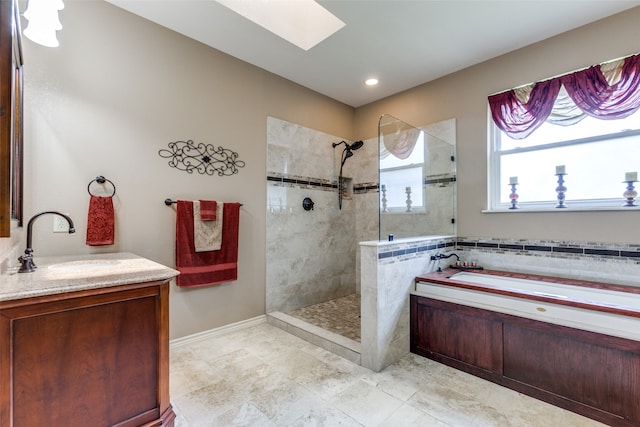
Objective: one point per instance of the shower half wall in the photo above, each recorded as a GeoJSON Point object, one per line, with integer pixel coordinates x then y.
{"type": "Point", "coordinates": [312, 256]}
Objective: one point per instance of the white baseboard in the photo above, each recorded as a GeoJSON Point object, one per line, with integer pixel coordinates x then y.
{"type": "Point", "coordinates": [201, 336]}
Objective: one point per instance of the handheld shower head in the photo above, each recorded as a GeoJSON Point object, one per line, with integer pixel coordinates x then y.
{"type": "Point", "coordinates": [346, 153]}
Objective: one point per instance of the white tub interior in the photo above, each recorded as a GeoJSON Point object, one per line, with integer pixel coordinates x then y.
{"type": "Point", "coordinates": [596, 321]}
{"type": "Point", "coordinates": [553, 290]}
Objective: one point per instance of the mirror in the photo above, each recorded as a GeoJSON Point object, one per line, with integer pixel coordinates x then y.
{"type": "Point", "coordinates": [10, 117]}
{"type": "Point", "coordinates": [417, 177]}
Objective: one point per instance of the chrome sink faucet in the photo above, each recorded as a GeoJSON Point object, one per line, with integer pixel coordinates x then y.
{"type": "Point", "coordinates": [26, 260]}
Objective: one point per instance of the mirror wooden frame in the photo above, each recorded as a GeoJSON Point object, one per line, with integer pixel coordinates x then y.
{"type": "Point", "coordinates": [11, 117]}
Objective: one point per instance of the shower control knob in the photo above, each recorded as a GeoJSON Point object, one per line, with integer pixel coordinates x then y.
{"type": "Point", "coordinates": [307, 204]}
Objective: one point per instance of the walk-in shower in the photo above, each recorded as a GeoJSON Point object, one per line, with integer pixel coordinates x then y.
{"type": "Point", "coordinates": [313, 257]}
{"type": "Point", "coordinates": [346, 153]}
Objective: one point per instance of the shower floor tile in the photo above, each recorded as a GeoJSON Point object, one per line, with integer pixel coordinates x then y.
{"type": "Point", "coordinates": [340, 315]}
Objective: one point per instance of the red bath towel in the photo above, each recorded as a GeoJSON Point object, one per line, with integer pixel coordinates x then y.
{"type": "Point", "coordinates": [100, 221]}
{"type": "Point", "coordinates": [212, 267]}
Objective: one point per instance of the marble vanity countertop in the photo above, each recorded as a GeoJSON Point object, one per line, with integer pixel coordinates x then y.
{"type": "Point", "coordinates": [56, 275]}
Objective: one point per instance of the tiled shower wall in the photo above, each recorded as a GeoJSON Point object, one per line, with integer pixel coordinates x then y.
{"type": "Point", "coordinates": [312, 256]}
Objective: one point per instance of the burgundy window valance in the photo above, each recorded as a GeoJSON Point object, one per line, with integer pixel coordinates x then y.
{"type": "Point", "coordinates": [606, 91]}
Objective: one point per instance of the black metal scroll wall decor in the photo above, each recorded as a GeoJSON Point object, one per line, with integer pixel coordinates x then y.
{"type": "Point", "coordinates": [206, 159]}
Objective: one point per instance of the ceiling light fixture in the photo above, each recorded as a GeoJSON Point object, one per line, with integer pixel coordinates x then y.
{"type": "Point", "coordinates": [371, 82]}
{"type": "Point", "coordinates": [303, 23]}
{"type": "Point", "coordinates": [43, 21]}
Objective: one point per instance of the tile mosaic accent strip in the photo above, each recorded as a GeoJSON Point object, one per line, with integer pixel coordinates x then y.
{"type": "Point", "coordinates": [568, 250]}
{"type": "Point", "coordinates": [360, 188]}
{"type": "Point", "coordinates": [302, 181]}
{"type": "Point", "coordinates": [537, 248]}
{"type": "Point", "coordinates": [513, 247]}
{"type": "Point", "coordinates": [440, 180]}
{"type": "Point", "coordinates": [472, 244]}
{"type": "Point", "coordinates": [365, 187]}
{"type": "Point", "coordinates": [550, 247]}
{"type": "Point", "coordinates": [321, 184]}
{"type": "Point", "coordinates": [601, 252]}
{"type": "Point", "coordinates": [484, 245]}
{"type": "Point", "coordinates": [413, 249]}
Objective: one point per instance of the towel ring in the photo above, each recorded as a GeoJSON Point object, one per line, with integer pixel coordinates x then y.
{"type": "Point", "coordinates": [101, 180]}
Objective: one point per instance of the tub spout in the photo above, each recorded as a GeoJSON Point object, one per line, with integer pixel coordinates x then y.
{"type": "Point", "coordinates": [443, 256]}
{"type": "Point", "coordinates": [26, 260]}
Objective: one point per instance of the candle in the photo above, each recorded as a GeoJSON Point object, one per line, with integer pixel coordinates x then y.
{"type": "Point", "coordinates": [513, 180]}
{"type": "Point", "coordinates": [384, 187]}
{"type": "Point", "coordinates": [560, 170]}
{"type": "Point", "coordinates": [408, 189]}
{"type": "Point", "coordinates": [631, 176]}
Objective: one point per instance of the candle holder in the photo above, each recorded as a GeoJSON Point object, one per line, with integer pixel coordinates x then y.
{"type": "Point", "coordinates": [383, 188]}
{"type": "Point", "coordinates": [513, 196]}
{"type": "Point", "coordinates": [408, 190]}
{"type": "Point", "coordinates": [561, 189]}
{"type": "Point", "coordinates": [630, 194]}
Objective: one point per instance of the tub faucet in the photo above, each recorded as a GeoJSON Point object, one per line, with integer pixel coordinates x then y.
{"type": "Point", "coordinates": [443, 256]}
{"type": "Point", "coordinates": [26, 260]}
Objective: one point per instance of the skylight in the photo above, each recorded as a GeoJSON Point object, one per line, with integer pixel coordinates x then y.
{"type": "Point", "coordinates": [303, 23]}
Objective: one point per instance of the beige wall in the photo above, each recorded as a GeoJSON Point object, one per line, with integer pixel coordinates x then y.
{"type": "Point", "coordinates": [116, 91]}
{"type": "Point", "coordinates": [463, 95]}
{"type": "Point", "coordinates": [119, 88]}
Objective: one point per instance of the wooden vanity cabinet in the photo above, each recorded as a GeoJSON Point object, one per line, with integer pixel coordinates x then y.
{"type": "Point", "coordinates": [592, 374]}
{"type": "Point", "coordinates": [89, 358]}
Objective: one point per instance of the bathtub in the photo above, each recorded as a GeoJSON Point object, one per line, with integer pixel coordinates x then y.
{"type": "Point", "coordinates": [597, 307]}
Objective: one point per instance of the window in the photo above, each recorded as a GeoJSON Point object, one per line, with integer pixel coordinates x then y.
{"type": "Point", "coordinates": [587, 121]}
{"type": "Point", "coordinates": [596, 155]}
{"type": "Point", "coordinates": [397, 176]}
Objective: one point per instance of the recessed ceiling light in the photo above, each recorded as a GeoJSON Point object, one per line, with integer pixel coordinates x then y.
{"type": "Point", "coordinates": [371, 82]}
{"type": "Point", "coordinates": [303, 23]}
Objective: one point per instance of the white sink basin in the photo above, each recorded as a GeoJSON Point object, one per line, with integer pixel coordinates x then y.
{"type": "Point", "coordinates": [75, 266]}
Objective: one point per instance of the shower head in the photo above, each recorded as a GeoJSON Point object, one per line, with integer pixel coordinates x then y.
{"type": "Point", "coordinates": [355, 145]}
{"type": "Point", "coordinates": [348, 150]}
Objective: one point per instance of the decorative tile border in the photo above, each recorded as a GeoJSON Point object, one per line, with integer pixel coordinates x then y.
{"type": "Point", "coordinates": [366, 187]}
{"type": "Point", "coordinates": [546, 248]}
{"type": "Point", "coordinates": [327, 185]}
{"type": "Point", "coordinates": [297, 181]}
{"type": "Point", "coordinates": [302, 182]}
{"type": "Point", "coordinates": [413, 249]}
{"type": "Point", "coordinates": [439, 179]}
{"type": "Point", "coordinates": [551, 248]}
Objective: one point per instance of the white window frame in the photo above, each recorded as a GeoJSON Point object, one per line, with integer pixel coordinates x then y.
{"type": "Point", "coordinates": [493, 176]}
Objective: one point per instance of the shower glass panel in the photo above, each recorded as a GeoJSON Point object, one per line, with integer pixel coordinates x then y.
{"type": "Point", "coordinates": [417, 179]}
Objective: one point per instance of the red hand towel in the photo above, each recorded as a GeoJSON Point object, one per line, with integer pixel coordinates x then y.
{"type": "Point", "coordinates": [206, 268]}
{"type": "Point", "coordinates": [208, 210]}
{"type": "Point", "coordinates": [100, 221]}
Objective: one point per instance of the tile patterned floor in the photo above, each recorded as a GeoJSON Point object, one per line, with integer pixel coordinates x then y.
{"type": "Point", "coordinates": [263, 376]}
{"type": "Point", "coordinates": [341, 316]}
